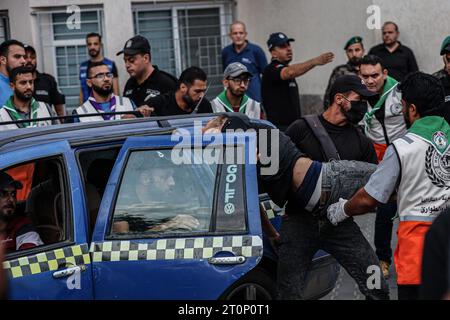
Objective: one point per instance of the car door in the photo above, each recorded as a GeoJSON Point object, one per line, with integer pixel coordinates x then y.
{"type": "Point", "coordinates": [142, 250]}
{"type": "Point", "coordinates": [60, 268]}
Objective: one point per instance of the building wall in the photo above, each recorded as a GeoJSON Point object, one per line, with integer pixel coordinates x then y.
{"type": "Point", "coordinates": [322, 25]}
{"type": "Point", "coordinates": [317, 25]}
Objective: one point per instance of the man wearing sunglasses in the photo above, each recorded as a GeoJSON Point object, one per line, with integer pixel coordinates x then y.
{"type": "Point", "coordinates": [102, 100]}
{"type": "Point", "coordinates": [236, 80]}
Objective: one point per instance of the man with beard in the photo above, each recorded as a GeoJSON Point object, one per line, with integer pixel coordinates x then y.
{"type": "Point", "coordinates": [18, 230]}
{"type": "Point", "coordinates": [101, 99]}
{"type": "Point", "coordinates": [153, 183]}
{"type": "Point", "coordinates": [247, 53]}
{"type": "Point", "coordinates": [146, 80]}
{"type": "Point", "coordinates": [444, 74]}
{"type": "Point", "coordinates": [398, 59]}
{"type": "Point", "coordinates": [94, 46]}
{"type": "Point", "coordinates": [354, 49]}
{"type": "Point", "coordinates": [188, 98]}
{"type": "Point", "coordinates": [383, 123]}
{"type": "Point", "coordinates": [12, 55]}
{"type": "Point", "coordinates": [280, 94]}
{"type": "Point", "coordinates": [416, 170]}
{"type": "Point", "coordinates": [236, 79]}
{"type": "Point", "coordinates": [304, 233]}
{"type": "Point", "coordinates": [45, 86]}
{"type": "Point", "coordinates": [21, 105]}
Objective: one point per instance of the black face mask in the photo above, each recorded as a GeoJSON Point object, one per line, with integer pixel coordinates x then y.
{"type": "Point", "coordinates": [357, 111]}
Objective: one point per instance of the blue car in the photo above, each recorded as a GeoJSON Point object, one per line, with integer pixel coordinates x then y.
{"type": "Point", "coordinates": [119, 219]}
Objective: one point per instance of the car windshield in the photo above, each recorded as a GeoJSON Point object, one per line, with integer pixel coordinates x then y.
{"type": "Point", "coordinates": [154, 190]}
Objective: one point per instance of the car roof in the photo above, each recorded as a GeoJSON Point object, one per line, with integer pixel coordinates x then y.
{"type": "Point", "coordinates": [97, 132]}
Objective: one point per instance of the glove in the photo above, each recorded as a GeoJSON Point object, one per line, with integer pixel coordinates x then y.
{"type": "Point", "coordinates": [336, 212]}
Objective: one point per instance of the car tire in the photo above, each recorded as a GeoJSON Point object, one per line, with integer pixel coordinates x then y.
{"type": "Point", "coordinates": [256, 285]}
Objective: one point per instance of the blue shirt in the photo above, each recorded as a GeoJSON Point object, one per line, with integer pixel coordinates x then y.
{"type": "Point", "coordinates": [254, 59]}
{"type": "Point", "coordinates": [5, 90]}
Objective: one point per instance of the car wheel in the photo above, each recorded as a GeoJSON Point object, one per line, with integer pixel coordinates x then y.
{"type": "Point", "coordinates": [256, 285]}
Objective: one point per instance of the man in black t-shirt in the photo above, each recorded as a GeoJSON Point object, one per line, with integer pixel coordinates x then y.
{"type": "Point", "coordinates": [280, 95]}
{"type": "Point", "coordinates": [146, 80]}
{"type": "Point", "coordinates": [45, 86]}
{"type": "Point", "coordinates": [305, 233]}
{"type": "Point", "coordinates": [398, 59]}
{"type": "Point", "coordinates": [188, 98]}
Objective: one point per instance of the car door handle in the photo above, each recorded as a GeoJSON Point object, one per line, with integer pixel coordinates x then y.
{"type": "Point", "coordinates": [68, 272]}
{"type": "Point", "coordinates": [227, 260]}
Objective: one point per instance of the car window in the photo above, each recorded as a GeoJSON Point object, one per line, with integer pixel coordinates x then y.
{"type": "Point", "coordinates": [158, 196]}
{"type": "Point", "coordinates": [38, 216]}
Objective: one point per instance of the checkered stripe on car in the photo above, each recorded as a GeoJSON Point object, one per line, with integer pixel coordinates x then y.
{"type": "Point", "coordinates": [272, 210]}
{"type": "Point", "coordinates": [171, 249]}
{"type": "Point", "coordinates": [48, 261]}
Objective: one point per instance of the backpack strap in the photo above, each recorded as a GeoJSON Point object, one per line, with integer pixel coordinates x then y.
{"type": "Point", "coordinates": [324, 138]}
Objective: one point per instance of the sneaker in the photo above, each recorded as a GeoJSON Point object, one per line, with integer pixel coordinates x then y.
{"type": "Point", "coordinates": [385, 266]}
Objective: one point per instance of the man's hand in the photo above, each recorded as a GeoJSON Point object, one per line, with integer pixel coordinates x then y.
{"type": "Point", "coordinates": [145, 110]}
{"type": "Point", "coordinates": [324, 58]}
{"type": "Point", "coordinates": [181, 221]}
{"type": "Point", "coordinates": [336, 212]}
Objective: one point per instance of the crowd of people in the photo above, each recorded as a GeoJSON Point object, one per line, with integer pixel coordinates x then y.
{"type": "Point", "coordinates": [378, 109]}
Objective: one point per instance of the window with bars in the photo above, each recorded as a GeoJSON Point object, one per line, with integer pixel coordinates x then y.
{"type": "Point", "coordinates": [191, 35]}
{"type": "Point", "coordinates": [64, 48]}
{"type": "Point", "coordinates": [4, 27]}
{"type": "Point", "coordinates": [70, 51]}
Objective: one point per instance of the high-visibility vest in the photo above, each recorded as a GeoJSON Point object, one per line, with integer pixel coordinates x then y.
{"type": "Point", "coordinates": [43, 111]}
{"type": "Point", "coordinates": [252, 108]}
{"type": "Point", "coordinates": [423, 193]}
{"type": "Point", "coordinates": [122, 104]}
{"type": "Point", "coordinates": [394, 121]}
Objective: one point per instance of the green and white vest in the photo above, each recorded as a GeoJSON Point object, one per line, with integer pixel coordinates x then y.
{"type": "Point", "coordinates": [249, 107]}
{"type": "Point", "coordinates": [393, 116]}
{"type": "Point", "coordinates": [424, 154]}
{"type": "Point", "coordinates": [42, 111]}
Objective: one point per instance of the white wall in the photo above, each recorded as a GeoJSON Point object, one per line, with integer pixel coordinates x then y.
{"type": "Point", "coordinates": [322, 25]}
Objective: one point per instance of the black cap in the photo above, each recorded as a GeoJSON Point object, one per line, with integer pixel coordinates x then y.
{"type": "Point", "coordinates": [235, 121]}
{"type": "Point", "coordinates": [348, 83]}
{"type": "Point", "coordinates": [278, 39]}
{"type": "Point", "coordinates": [135, 45]}
{"type": "Point", "coordinates": [6, 180]}
{"type": "Point", "coordinates": [29, 48]}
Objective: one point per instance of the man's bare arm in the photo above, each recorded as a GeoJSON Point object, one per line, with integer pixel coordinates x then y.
{"type": "Point", "coordinates": [298, 69]}
{"type": "Point", "coordinates": [360, 203]}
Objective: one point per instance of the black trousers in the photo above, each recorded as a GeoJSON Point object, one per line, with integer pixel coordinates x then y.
{"type": "Point", "coordinates": [383, 231]}
{"type": "Point", "coordinates": [302, 235]}
{"type": "Point", "coordinates": [408, 292]}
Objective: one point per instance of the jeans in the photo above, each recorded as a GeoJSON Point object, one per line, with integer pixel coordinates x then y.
{"type": "Point", "coordinates": [383, 230]}
{"type": "Point", "coordinates": [302, 235]}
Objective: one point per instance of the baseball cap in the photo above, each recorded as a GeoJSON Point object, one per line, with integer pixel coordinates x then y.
{"type": "Point", "coordinates": [235, 69]}
{"type": "Point", "coordinates": [135, 45]}
{"type": "Point", "coordinates": [445, 47]}
{"type": "Point", "coordinates": [277, 39]}
{"type": "Point", "coordinates": [348, 83]}
{"type": "Point", "coordinates": [6, 180]}
{"type": "Point", "coordinates": [236, 120]}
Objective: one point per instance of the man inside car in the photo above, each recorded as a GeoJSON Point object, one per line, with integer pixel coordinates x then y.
{"type": "Point", "coordinates": [18, 231]}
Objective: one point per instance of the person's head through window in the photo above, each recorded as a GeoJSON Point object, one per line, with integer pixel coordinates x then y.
{"type": "Point", "coordinates": [156, 184]}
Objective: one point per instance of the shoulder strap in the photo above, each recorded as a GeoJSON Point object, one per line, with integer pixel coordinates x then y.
{"type": "Point", "coordinates": [380, 116]}
{"type": "Point", "coordinates": [324, 138]}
